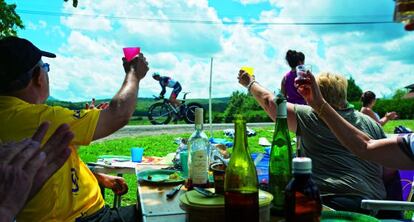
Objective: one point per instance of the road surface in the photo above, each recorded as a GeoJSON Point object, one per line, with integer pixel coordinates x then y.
{"type": "Point", "coordinates": [147, 130]}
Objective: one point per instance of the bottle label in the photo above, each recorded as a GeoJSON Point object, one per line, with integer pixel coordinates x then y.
{"type": "Point", "coordinates": [281, 110]}
{"type": "Point", "coordinates": [199, 167]}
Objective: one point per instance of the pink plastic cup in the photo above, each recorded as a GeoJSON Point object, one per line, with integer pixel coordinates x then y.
{"type": "Point", "coordinates": [131, 52]}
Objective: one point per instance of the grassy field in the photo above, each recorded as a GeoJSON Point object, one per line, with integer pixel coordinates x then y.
{"type": "Point", "coordinates": [160, 145]}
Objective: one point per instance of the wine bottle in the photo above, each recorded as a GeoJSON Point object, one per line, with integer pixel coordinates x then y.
{"type": "Point", "coordinates": [280, 163]}
{"type": "Point", "coordinates": [302, 199]}
{"type": "Point", "coordinates": [241, 195]}
{"type": "Point", "coordinates": [408, 214]}
{"type": "Point", "coordinates": [198, 154]}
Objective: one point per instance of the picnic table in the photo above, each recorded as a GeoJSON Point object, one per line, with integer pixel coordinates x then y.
{"type": "Point", "coordinates": [152, 199]}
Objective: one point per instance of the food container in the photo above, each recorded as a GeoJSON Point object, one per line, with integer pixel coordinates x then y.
{"type": "Point", "coordinates": [200, 208]}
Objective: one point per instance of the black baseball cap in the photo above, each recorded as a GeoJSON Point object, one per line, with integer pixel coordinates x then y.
{"type": "Point", "coordinates": [17, 57]}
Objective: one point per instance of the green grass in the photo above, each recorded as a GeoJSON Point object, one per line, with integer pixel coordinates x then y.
{"type": "Point", "coordinates": [162, 144]}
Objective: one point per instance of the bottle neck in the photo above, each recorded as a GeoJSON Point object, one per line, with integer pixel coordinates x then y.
{"type": "Point", "coordinates": [281, 110]}
{"type": "Point", "coordinates": [240, 138]}
{"type": "Point", "coordinates": [198, 126]}
{"type": "Point", "coordinates": [302, 176]}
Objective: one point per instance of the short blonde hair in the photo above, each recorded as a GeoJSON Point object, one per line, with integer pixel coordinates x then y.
{"type": "Point", "coordinates": [333, 88]}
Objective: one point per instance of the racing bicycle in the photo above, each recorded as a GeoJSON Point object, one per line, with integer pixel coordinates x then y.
{"type": "Point", "coordinates": [163, 112]}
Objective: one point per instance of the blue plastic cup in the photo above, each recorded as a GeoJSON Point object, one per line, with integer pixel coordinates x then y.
{"type": "Point", "coordinates": [136, 154]}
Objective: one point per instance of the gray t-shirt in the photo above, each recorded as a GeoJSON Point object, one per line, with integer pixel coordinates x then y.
{"type": "Point", "coordinates": [335, 169]}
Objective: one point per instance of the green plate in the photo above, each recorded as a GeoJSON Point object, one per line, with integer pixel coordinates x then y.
{"type": "Point", "coordinates": [159, 176]}
{"type": "Point", "coordinates": [344, 216]}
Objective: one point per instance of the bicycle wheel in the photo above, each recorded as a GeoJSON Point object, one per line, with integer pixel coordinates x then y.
{"type": "Point", "coordinates": [159, 113]}
{"type": "Point", "coordinates": [190, 112]}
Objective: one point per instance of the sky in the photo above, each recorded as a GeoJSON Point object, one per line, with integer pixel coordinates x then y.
{"type": "Point", "coordinates": [179, 38]}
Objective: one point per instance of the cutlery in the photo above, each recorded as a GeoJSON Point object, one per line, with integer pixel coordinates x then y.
{"type": "Point", "coordinates": [205, 192]}
{"type": "Point", "coordinates": [174, 191]}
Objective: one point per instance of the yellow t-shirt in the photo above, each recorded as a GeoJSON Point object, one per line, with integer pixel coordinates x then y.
{"type": "Point", "coordinates": [73, 190]}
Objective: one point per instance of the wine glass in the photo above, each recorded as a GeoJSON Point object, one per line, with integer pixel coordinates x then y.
{"type": "Point", "coordinates": [301, 70]}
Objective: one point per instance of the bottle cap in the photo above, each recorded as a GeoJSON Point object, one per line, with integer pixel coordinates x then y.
{"type": "Point", "coordinates": [302, 165]}
{"type": "Point", "coordinates": [198, 115]}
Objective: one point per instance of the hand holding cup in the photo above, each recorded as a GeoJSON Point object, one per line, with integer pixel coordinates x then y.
{"type": "Point", "coordinates": [301, 70]}
{"type": "Point", "coordinates": [244, 78]}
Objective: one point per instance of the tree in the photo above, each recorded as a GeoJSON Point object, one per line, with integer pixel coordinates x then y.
{"type": "Point", "coordinates": [9, 20]}
{"type": "Point", "coordinates": [399, 93]}
{"type": "Point", "coordinates": [74, 3]}
{"type": "Point", "coordinates": [354, 92]}
{"type": "Point", "coordinates": [241, 103]}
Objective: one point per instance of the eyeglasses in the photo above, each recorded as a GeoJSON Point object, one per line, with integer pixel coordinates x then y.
{"type": "Point", "coordinates": [46, 67]}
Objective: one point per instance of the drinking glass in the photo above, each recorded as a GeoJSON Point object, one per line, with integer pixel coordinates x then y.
{"type": "Point", "coordinates": [301, 70]}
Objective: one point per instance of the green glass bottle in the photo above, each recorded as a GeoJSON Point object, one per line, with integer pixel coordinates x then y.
{"type": "Point", "coordinates": [241, 196]}
{"type": "Point", "coordinates": [408, 214]}
{"type": "Point", "coordinates": [280, 163]}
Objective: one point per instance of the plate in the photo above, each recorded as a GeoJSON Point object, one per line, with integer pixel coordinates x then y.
{"type": "Point", "coordinates": [160, 176]}
{"type": "Point", "coordinates": [344, 216]}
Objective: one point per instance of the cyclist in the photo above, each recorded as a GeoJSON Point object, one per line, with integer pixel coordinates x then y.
{"type": "Point", "coordinates": [166, 81]}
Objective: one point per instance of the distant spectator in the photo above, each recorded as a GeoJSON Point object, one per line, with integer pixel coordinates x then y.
{"type": "Point", "coordinates": [368, 102]}
{"type": "Point", "coordinates": [287, 87]}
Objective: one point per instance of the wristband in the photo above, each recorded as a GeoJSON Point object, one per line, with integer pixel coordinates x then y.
{"type": "Point", "coordinates": [321, 108]}
{"type": "Point", "coordinates": [249, 86]}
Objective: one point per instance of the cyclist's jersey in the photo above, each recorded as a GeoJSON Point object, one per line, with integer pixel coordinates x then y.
{"type": "Point", "coordinates": [406, 143]}
{"type": "Point", "coordinates": [166, 81]}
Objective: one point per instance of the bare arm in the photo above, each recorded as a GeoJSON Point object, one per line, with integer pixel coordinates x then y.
{"type": "Point", "coordinates": [122, 105]}
{"type": "Point", "coordinates": [384, 151]}
{"type": "Point", "coordinates": [282, 86]}
{"type": "Point", "coordinates": [266, 98]}
{"type": "Point", "coordinates": [388, 116]}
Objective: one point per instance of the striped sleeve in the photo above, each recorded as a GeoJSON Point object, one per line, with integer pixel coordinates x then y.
{"type": "Point", "coordinates": [406, 143]}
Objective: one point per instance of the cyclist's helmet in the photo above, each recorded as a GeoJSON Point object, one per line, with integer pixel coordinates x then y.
{"type": "Point", "coordinates": [155, 74]}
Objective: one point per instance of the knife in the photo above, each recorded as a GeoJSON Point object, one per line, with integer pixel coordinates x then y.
{"type": "Point", "coordinates": [174, 191]}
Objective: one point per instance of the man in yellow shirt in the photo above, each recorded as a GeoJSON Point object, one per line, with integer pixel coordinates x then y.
{"type": "Point", "coordinates": [72, 193]}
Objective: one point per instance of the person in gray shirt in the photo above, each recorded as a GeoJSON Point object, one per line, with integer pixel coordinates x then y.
{"type": "Point", "coordinates": [335, 169]}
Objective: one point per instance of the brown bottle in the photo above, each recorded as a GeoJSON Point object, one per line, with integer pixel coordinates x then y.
{"type": "Point", "coordinates": [302, 199]}
{"type": "Point", "coordinates": [241, 197]}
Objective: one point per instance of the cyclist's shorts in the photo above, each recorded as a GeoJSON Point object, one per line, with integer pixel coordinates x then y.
{"type": "Point", "coordinates": [177, 89]}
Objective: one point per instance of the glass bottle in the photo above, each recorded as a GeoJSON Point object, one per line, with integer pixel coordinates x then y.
{"type": "Point", "coordinates": [280, 163]}
{"type": "Point", "coordinates": [408, 214]}
{"type": "Point", "coordinates": [302, 199]}
{"type": "Point", "coordinates": [198, 154]}
{"type": "Point", "coordinates": [241, 196]}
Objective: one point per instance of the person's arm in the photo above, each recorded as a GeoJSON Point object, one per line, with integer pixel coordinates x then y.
{"type": "Point", "coordinates": [122, 105]}
{"type": "Point", "coordinates": [266, 99]}
{"type": "Point", "coordinates": [388, 116]}
{"type": "Point", "coordinates": [282, 86]}
{"type": "Point", "coordinates": [163, 90]}
{"type": "Point", "coordinates": [384, 151]}
{"type": "Point", "coordinates": [24, 167]}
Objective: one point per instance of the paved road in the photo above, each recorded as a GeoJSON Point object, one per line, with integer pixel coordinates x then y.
{"type": "Point", "coordinates": [146, 130]}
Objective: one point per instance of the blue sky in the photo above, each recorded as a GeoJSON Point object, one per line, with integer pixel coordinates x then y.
{"type": "Point", "coordinates": [88, 41]}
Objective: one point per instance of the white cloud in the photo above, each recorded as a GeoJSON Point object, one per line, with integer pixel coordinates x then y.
{"type": "Point", "coordinates": [247, 2]}
{"type": "Point", "coordinates": [35, 26]}
{"type": "Point", "coordinates": [89, 60]}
